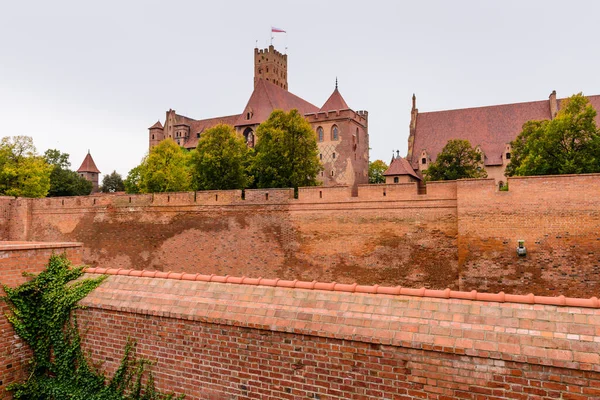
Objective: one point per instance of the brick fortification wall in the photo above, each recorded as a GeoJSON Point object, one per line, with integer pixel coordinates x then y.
{"type": "Point", "coordinates": [559, 219]}
{"type": "Point", "coordinates": [16, 258]}
{"type": "Point", "coordinates": [460, 235]}
{"type": "Point", "coordinates": [246, 341]}
{"type": "Point", "coordinates": [325, 234]}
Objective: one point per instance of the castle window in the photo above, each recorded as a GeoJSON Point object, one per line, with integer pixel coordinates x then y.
{"type": "Point", "coordinates": [198, 135]}
{"type": "Point", "coordinates": [423, 160]}
{"type": "Point", "coordinates": [331, 173]}
{"type": "Point", "coordinates": [335, 133]}
{"type": "Point", "coordinates": [396, 179]}
{"type": "Point", "coordinates": [508, 156]}
{"type": "Point", "coordinates": [357, 136]}
{"type": "Point", "coordinates": [249, 137]}
{"type": "Point", "coordinates": [152, 137]}
{"type": "Point", "coordinates": [320, 156]}
{"type": "Point", "coordinates": [248, 115]}
{"type": "Point", "coordinates": [333, 155]}
{"type": "Point", "coordinates": [320, 134]}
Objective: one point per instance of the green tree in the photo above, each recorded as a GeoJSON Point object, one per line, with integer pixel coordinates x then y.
{"type": "Point", "coordinates": [22, 172]}
{"type": "Point", "coordinates": [165, 169]}
{"type": "Point", "coordinates": [286, 154]}
{"type": "Point", "coordinates": [568, 144]}
{"type": "Point", "coordinates": [376, 170]}
{"type": "Point", "coordinates": [219, 161]}
{"type": "Point", "coordinates": [112, 183]}
{"type": "Point", "coordinates": [457, 160]}
{"type": "Point", "coordinates": [63, 181]}
{"type": "Point", "coordinates": [132, 182]}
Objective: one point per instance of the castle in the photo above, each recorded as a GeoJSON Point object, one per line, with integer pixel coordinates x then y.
{"type": "Point", "coordinates": [489, 129]}
{"type": "Point", "coordinates": [342, 133]}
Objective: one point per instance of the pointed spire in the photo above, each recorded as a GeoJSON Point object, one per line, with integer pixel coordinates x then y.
{"type": "Point", "coordinates": [414, 101]}
{"type": "Point", "coordinates": [336, 83]}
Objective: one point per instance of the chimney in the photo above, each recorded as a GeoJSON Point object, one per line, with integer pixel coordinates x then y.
{"type": "Point", "coordinates": [553, 105]}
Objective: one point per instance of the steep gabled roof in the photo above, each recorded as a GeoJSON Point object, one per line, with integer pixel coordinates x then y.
{"type": "Point", "coordinates": [157, 125]}
{"type": "Point", "coordinates": [335, 102]}
{"type": "Point", "coordinates": [490, 128]}
{"type": "Point", "coordinates": [268, 97]}
{"type": "Point", "coordinates": [400, 166]}
{"type": "Point", "coordinates": [88, 165]}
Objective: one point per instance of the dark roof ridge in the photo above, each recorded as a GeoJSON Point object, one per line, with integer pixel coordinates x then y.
{"type": "Point", "coordinates": [479, 107]}
{"type": "Point", "coordinates": [355, 288]}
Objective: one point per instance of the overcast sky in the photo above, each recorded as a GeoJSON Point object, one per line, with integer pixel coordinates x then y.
{"type": "Point", "coordinates": [79, 75]}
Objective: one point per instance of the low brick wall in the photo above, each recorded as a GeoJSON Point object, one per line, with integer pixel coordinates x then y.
{"type": "Point", "coordinates": [244, 340]}
{"type": "Point", "coordinates": [16, 258]}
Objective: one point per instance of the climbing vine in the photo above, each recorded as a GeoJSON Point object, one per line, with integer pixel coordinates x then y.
{"type": "Point", "coordinates": [41, 313]}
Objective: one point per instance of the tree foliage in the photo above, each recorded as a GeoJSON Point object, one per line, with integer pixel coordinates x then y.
{"type": "Point", "coordinates": [376, 170]}
{"type": "Point", "coordinates": [165, 169]}
{"type": "Point", "coordinates": [219, 161]}
{"type": "Point", "coordinates": [63, 181]}
{"type": "Point", "coordinates": [113, 182]}
{"type": "Point", "coordinates": [22, 172]}
{"type": "Point", "coordinates": [567, 144]}
{"type": "Point", "coordinates": [286, 154]}
{"type": "Point", "coordinates": [457, 160]}
{"type": "Point", "coordinates": [41, 313]}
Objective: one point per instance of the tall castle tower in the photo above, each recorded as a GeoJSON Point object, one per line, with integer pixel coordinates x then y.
{"type": "Point", "coordinates": [271, 65]}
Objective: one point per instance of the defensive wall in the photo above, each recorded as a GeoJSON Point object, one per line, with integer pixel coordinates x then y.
{"type": "Point", "coordinates": [16, 258]}
{"type": "Point", "coordinates": [222, 337]}
{"type": "Point", "coordinates": [460, 235]}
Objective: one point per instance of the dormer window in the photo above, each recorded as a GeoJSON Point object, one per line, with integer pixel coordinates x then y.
{"type": "Point", "coordinates": [423, 160]}
{"type": "Point", "coordinates": [508, 156]}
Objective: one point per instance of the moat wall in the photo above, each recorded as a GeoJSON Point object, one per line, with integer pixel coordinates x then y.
{"type": "Point", "coordinates": [460, 235]}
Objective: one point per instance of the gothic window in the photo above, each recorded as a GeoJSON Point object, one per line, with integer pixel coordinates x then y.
{"type": "Point", "coordinates": [249, 137]}
{"type": "Point", "coordinates": [396, 179]}
{"type": "Point", "coordinates": [335, 133]}
{"type": "Point", "coordinates": [320, 134]}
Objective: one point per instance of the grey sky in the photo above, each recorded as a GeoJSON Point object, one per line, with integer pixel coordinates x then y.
{"type": "Point", "coordinates": [79, 75]}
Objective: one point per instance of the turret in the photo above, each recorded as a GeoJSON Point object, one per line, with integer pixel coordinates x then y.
{"type": "Point", "coordinates": [270, 65]}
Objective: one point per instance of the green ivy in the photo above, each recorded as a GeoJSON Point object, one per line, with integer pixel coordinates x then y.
{"type": "Point", "coordinates": [41, 312]}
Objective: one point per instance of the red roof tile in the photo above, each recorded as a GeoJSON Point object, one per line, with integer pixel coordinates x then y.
{"type": "Point", "coordinates": [200, 126]}
{"type": "Point", "coordinates": [335, 102]}
{"type": "Point", "coordinates": [268, 97]}
{"type": "Point", "coordinates": [355, 288]}
{"type": "Point", "coordinates": [490, 127]}
{"type": "Point", "coordinates": [400, 166]}
{"type": "Point", "coordinates": [157, 125]}
{"type": "Point", "coordinates": [88, 165]}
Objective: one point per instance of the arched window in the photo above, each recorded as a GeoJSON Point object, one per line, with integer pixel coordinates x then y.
{"type": "Point", "coordinates": [335, 133]}
{"type": "Point", "coordinates": [320, 134]}
{"type": "Point", "coordinates": [249, 137]}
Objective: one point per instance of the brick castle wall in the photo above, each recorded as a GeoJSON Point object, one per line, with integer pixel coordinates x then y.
{"type": "Point", "coordinates": [459, 235]}
{"type": "Point", "coordinates": [220, 341]}
{"type": "Point", "coordinates": [16, 258]}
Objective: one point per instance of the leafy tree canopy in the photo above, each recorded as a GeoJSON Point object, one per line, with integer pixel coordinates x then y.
{"type": "Point", "coordinates": [457, 160]}
{"type": "Point", "coordinates": [113, 183]}
{"type": "Point", "coordinates": [286, 154]}
{"type": "Point", "coordinates": [165, 169]}
{"type": "Point", "coordinates": [22, 172]}
{"type": "Point", "coordinates": [568, 144]}
{"type": "Point", "coordinates": [376, 170]}
{"type": "Point", "coordinates": [63, 181]}
{"type": "Point", "coordinates": [219, 161]}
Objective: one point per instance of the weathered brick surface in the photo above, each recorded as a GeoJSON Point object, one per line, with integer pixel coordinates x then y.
{"type": "Point", "coordinates": [459, 235]}
{"type": "Point", "coordinates": [219, 341]}
{"type": "Point", "coordinates": [16, 258]}
{"type": "Point", "coordinates": [559, 219]}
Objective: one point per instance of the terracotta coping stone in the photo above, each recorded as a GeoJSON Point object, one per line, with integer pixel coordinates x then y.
{"type": "Point", "coordinates": [342, 287]}
{"type": "Point", "coordinates": [6, 245]}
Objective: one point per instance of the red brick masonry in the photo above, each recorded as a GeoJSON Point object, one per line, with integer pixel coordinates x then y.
{"type": "Point", "coordinates": [275, 339]}
{"type": "Point", "coordinates": [15, 258]}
